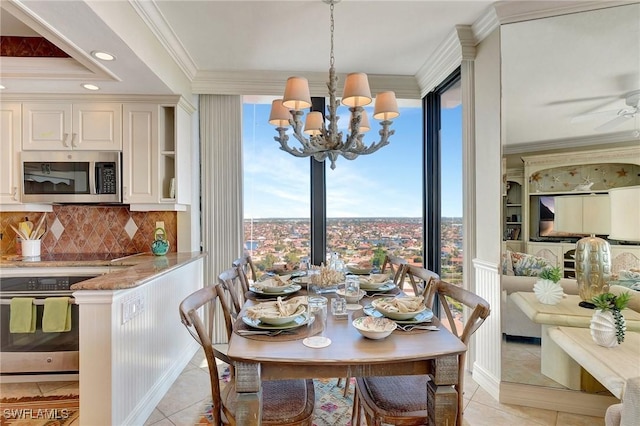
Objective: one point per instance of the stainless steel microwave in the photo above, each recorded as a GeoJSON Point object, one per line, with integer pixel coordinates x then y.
{"type": "Point", "coordinates": [71, 177]}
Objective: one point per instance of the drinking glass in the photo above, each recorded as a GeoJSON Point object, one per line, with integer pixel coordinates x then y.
{"type": "Point", "coordinates": [317, 310]}
{"type": "Point", "coordinates": [352, 286]}
{"type": "Point", "coordinates": [338, 306]}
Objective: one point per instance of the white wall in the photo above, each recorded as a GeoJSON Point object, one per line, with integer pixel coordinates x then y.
{"type": "Point", "coordinates": [488, 201]}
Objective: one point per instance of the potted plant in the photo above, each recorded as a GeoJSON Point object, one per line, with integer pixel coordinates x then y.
{"type": "Point", "coordinates": [608, 324]}
{"type": "Point", "coordinates": [547, 289]}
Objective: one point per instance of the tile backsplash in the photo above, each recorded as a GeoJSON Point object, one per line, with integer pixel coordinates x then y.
{"type": "Point", "coordinates": [91, 229]}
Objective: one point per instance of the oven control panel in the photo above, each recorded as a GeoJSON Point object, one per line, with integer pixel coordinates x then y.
{"type": "Point", "coordinates": [39, 284]}
{"type": "Point", "coordinates": [48, 284]}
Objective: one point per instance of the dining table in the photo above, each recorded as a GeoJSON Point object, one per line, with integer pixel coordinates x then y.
{"type": "Point", "coordinates": [284, 356]}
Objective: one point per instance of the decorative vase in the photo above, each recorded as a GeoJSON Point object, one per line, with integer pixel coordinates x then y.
{"type": "Point", "coordinates": [593, 267]}
{"type": "Point", "coordinates": [603, 328]}
{"type": "Point", "coordinates": [548, 292]}
{"type": "Point", "coordinates": [160, 246]}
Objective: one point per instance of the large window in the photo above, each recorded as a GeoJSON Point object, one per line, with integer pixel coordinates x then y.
{"type": "Point", "coordinates": [373, 203]}
{"type": "Point", "coordinates": [276, 195]}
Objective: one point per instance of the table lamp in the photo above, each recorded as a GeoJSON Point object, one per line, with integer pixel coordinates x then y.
{"type": "Point", "coordinates": [588, 214]}
{"type": "Point", "coordinates": [625, 214]}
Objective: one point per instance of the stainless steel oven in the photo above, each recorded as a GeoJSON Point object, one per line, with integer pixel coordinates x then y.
{"type": "Point", "coordinates": [38, 352]}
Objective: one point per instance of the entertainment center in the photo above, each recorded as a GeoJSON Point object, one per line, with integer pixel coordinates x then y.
{"type": "Point", "coordinates": [580, 178]}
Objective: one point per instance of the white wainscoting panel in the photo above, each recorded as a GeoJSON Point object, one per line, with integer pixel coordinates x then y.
{"type": "Point", "coordinates": [488, 338]}
{"type": "Point", "coordinates": [133, 346]}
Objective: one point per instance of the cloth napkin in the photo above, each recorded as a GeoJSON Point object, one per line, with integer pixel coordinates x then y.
{"type": "Point", "coordinates": [57, 315]}
{"type": "Point", "coordinates": [22, 315]}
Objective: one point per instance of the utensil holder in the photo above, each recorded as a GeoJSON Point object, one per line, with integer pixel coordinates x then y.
{"type": "Point", "coordinates": [31, 248]}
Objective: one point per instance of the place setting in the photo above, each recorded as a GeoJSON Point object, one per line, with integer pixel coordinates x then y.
{"type": "Point", "coordinates": [274, 285]}
{"type": "Point", "coordinates": [284, 319]}
{"type": "Point", "coordinates": [408, 313]}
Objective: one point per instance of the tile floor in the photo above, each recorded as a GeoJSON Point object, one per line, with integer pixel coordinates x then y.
{"type": "Point", "coordinates": [183, 403]}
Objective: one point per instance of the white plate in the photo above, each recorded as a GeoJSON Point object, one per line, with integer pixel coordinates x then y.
{"type": "Point", "coordinates": [288, 290]}
{"type": "Point", "coordinates": [424, 316]}
{"type": "Point", "coordinates": [389, 285]}
{"type": "Point", "coordinates": [353, 307]}
{"type": "Point", "coordinates": [374, 286]}
{"type": "Point", "coordinates": [298, 321]}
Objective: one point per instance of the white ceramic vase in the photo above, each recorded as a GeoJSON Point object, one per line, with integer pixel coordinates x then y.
{"type": "Point", "coordinates": [548, 292]}
{"type": "Point", "coordinates": [603, 328]}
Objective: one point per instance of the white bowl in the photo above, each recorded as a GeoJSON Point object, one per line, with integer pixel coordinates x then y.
{"type": "Point", "coordinates": [279, 320]}
{"type": "Point", "coordinates": [358, 270]}
{"type": "Point", "coordinates": [374, 328]}
{"type": "Point", "coordinates": [351, 298]}
{"type": "Point", "coordinates": [265, 287]}
{"type": "Point", "coordinates": [402, 316]}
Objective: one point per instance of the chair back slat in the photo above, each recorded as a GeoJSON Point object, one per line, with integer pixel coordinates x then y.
{"type": "Point", "coordinates": [190, 314]}
{"type": "Point", "coordinates": [231, 280]}
{"type": "Point", "coordinates": [246, 270]}
{"type": "Point", "coordinates": [421, 280]}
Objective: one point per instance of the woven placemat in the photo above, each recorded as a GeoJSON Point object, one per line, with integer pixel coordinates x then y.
{"type": "Point", "coordinates": [299, 333]}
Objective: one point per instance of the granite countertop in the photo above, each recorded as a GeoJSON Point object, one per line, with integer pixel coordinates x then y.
{"type": "Point", "coordinates": [134, 270]}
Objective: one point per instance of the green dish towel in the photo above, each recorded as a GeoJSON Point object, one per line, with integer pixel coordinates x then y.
{"type": "Point", "coordinates": [57, 315]}
{"type": "Point", "coordinates": [22, 315]}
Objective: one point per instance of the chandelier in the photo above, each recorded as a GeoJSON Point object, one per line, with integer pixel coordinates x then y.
{"type": "Point", "coordinates": [325, 141]}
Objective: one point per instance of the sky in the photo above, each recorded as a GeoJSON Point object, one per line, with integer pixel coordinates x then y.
{"type": "Point", "coordinates": [387, 183]}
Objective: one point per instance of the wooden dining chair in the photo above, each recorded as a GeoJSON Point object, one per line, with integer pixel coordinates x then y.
{"type": "Point", "coordinates": [419, 278]}
{"type": "Point", "coordinates": [246, 270]}
{"type": "Point", "coordinates": [231, 280]}
{"type": "Point", "coordinates": [394, 265]}
{"type": "Point", "coordinates": [403, 400]}
{"type": "Point", "coordinates": [284, 402]}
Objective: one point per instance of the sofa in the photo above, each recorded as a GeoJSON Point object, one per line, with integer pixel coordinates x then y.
{"type": "Point", "coordinates": [520, 272]}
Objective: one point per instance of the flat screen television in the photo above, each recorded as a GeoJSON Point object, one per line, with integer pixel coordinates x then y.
{"type": "Point", "coordinates": [542, 223]}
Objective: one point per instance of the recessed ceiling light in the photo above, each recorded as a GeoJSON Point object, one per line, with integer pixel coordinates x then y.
{"type": "Point", "coordinates": [2, 87]}
{"type": "Point", "coordinates": [103, 55]}
{"type": "Point", "coordinates": [90, 86]}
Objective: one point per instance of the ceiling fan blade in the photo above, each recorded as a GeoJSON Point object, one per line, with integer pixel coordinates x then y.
{"type": "Point", "coordinates": [613, 123]}
{"type": "Point", "coordinates": [589, 115]}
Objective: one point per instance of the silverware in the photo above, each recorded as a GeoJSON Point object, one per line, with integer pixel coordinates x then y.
{"type": "Point", "coordinates": [261, 332]}
{"type": "Point", "coordinates": [410, 327]}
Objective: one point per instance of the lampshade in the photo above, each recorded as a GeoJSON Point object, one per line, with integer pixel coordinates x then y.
{"type": "Point", "coordinates": [280, 114]}
{"type": "Point", "coordinates": [364, 122]}
{"type": "Point", "coordinates": [386, 106]}
{"type": "Point", "coordinates": [296, 94]}
{"type": "Point", "coordinates": [625, 213]}
{"type": "Point", "coordinates": [356, 90]}
{"type": "Point", "coordinates": [314, 123]}
{"type": "Point", "coordinates": [583, 214]}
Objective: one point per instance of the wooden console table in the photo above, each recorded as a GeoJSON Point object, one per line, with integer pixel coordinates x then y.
{"type": "Point", "coordinates": [612, 367]}
{"type": "Point", "coordinates": [555, 363]}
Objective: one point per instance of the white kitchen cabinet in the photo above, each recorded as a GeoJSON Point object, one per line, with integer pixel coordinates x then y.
{"type": "Point", "coordinates": [156, 156]}
{"type": "Point", "coordinates": [10, 136]}
{"type": "Point", "coordinates": [139, 153]}
{"type": "Point", "coordinates": [95, 126]}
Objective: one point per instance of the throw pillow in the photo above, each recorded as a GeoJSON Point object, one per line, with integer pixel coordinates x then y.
{"type": "Point", "coordinates": [528, 265]}
{"type": "Point", "coordinates": [507, 263]}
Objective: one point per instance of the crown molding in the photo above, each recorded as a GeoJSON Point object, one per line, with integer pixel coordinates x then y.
{"type": "Point", "coordinates": [510, 12]}
{"type": "Point", "coordinates": [270, 83]}
{"type": "Point", "coordinates": [570, 143]}
{"type": "Point", "coordinates": [156, 22]}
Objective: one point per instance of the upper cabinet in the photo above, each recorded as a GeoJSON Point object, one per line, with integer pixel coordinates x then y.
{"type": "Point", "coordinates": [157, 156]}
{"type": "Point", "coordinates": [65, 126]}
{"type": "Point", "coordinates": [10, 120]}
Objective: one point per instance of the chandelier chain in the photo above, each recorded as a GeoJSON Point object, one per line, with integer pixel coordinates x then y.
{"type": "Point", "coordinates": [331, 59]}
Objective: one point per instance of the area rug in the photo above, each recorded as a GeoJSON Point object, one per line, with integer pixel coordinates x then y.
{"type": "Point", "coordinates": [58, 410]}
{"type": "Point", "coordinates": [331, 407]}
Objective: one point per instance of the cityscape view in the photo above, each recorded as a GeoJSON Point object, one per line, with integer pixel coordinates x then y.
{"type": "Point", "coordinates": [274, 243]}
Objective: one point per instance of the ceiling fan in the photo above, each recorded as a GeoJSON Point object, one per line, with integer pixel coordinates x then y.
{"type": "Point", "coordinates": [632, 108]}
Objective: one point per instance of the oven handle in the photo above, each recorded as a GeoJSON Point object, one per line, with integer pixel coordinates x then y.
{"type": "Point", "coordinates": [36, 301]}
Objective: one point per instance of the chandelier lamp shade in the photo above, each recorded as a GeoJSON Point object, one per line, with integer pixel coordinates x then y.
{"type": "Point", "coordinates": [321, 139]}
